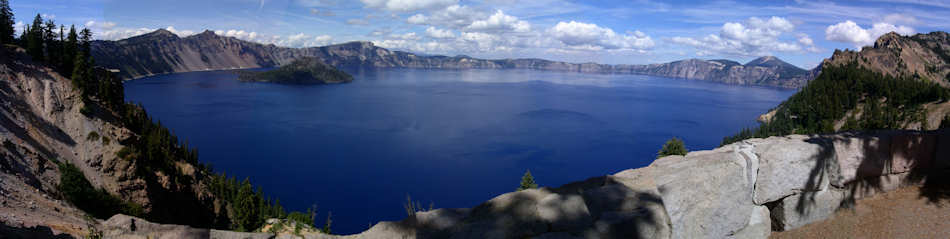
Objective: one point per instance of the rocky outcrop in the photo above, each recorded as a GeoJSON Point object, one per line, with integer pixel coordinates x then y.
{"type": "Point", "coordinates": [924, 56]}
{"type": "Point", "coordinates": [162, 52]}
{"type": "Point", "coordinates": [742, 190]}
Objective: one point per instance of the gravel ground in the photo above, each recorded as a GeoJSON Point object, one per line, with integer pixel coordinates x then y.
{"type": "Point", "coordinates": [899, 214]}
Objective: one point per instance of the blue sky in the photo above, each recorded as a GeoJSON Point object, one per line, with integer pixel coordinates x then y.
{"type": "Point", "coordinates": [616, 32]}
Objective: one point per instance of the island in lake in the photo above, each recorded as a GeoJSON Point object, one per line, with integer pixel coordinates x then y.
{"type": "Point", "coordinates": [306, 70]}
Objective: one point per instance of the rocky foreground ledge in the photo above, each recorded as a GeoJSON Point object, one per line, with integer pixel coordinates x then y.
{"type": "Point", "coordinates": [743, 190]}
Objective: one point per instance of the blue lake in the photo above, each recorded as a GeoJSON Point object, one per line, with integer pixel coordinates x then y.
{"type": "Point", "coordinates": [449, 138]}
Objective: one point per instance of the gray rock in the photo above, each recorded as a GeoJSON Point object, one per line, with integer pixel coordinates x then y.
{"type": "Point", "coordinates": [801, 209]}
{"type": "Point", "coordinates": [788, 165]}
{"type": "Point", "coordinates": [859, 156]}
{"type": "Point", "coordinates": [219, 234]}
{"type": "Point", "coordinates": [760, 225]}
{"type": "Point", "coordinates": [564, 212]}
{"type": "Point", "coordinates": [706, 193]}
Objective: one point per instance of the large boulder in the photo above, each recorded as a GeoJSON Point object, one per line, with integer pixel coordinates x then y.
{"type": "Point", "coordinates": [789, 165]}
{"type": "Point", "coordinates": [800, 209]}
{"type": "Point", "coordinates": [860, 156]}
{"type": "Point", "coordinates": [706, 194]}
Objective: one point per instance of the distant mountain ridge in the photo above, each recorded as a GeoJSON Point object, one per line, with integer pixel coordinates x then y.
{"type": "Point", "coordinates": [161, 52]}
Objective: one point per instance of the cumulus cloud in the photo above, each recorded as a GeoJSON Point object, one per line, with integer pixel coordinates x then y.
{"type": "Point", "coordinates": [850, 32]}
{"type": "Point", "coordinates": [100, 25]}
{"type": "Point", "coordinates": [899, 19]}
{"type": "Point", "coordinates": [408, 5]}
{"type": "Point", "coordinates": [588, 36]}
{"type": "Point", "coordinates": [754, 37]}
{"type": "Point", "coordinates": [453, 17]}
{"type": "Point", "coordinates": [499, 22]}
{"type": "Point", "coordinates": [406, 36]}
{"type": "Point", "coordinates": [180, 33]}
{"type": "Point", "coordinates": [439, 33]}
{"type": "Point", "coordinates": [418, 19]}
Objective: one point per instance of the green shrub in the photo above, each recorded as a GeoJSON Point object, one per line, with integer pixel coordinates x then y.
{"type": "Point", "coordinates": [673, 146]}
{"type": "Point", "coordinates": [106, 140]}
{"type": "Point", "coordinates": [92, 136]}
{"type": "Point", "coordinates": [97, 202]}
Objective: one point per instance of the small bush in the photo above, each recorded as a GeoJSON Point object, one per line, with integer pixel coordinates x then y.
{"type": "Point", "coordinates": [106, 140]}
{"type": "Point", "coordinates": [672, 147]}
{"type": "Point", "coordinates": [527, 181]}
{"type": "Point", "coordinates": [92, 136]}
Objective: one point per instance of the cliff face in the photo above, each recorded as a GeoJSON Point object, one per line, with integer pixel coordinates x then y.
{"type": "Point", "coordinates": [41, 125]}
{"type": "Point", "coordinates": [163, 52]}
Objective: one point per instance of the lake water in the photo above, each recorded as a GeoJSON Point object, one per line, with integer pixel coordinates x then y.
{"type": "Point", "coordinates": [449, 138]}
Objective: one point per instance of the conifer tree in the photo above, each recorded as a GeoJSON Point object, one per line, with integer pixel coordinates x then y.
{"type": "Point", "coordinates": [34, 39]}
{"type": "Point", "coordinates": [6, 23]}
{"type": "Point", "coordinates": [527, 181]}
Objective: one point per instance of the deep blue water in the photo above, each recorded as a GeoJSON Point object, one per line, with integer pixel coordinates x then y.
{"type": "Point", "coordinates": [450, 138]}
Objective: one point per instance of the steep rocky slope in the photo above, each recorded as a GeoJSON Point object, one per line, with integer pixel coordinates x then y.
{"type": "Point", "coordinates": [924, 56]}
{"type": "Point", "coordinates": [42, 125]}
{"type": "Point", "coordinates": [163, 52]}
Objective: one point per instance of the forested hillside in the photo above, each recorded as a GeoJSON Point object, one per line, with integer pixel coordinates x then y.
{"type": "Point", "coordinates": [876, 88]}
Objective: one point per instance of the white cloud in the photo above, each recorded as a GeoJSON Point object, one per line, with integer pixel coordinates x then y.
{"type": "Point", "coordinates": [418, 19]}
{"type": "Point", "coordinates": [100, 25]}
{"type": "Point", "coordinates": [896, 18]}
{"type": "Point", "coordinates": [499, 22]}
{"type": "Point", "coordinates": [453, 17]}
{"type": "Point", "coordinates": [48, 16]}
{"type": "Point", "coordinates": [588, 36]}
{"type": "Point", "coordinates": [180, 33]}
{"type": "Point", "coordinates": [239, 34]}
{"type": "Point", "coordinates": [406, 36]}
{"type": "Point", "coordinates": [850, 32]}
{"type": "Point", "coordinates": [18, 28]}
{"type": "Point", "coordinates": [439, 33]}
{"type": "Point", "coordinates": [755, 37]}
{"type": "Point", "coordinates": [408, 5]}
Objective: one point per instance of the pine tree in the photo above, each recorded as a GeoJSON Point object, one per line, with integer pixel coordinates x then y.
{"type": "Point", "coordinates": [672, 147]}
{"type": "Point", "coordinates": [70, 49]}
{"type": "Point", "coordinates": [527, 181]}
{"type": "Point", "coordinates": [51, 43]}
{"type": "Point", "coordinates": [34, 40]}
{"type": "Point", "coordinates": [6, 23]}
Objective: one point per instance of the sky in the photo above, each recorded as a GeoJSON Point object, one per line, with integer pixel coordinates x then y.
{"type": "Point", "coordinates": [801, 32]}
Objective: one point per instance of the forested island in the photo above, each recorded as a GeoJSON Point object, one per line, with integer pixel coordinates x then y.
{"type": "Point", "coordinates": [303, 71]}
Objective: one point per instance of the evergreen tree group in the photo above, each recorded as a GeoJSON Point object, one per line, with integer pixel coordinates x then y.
{"type": "Point", "coordinates": [6, 23]}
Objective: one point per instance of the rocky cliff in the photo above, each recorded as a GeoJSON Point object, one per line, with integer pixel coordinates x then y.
{"type": "Point", "coordinates": [44, 122]}
{"type": "Point", "coordinates": [162, 52]}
